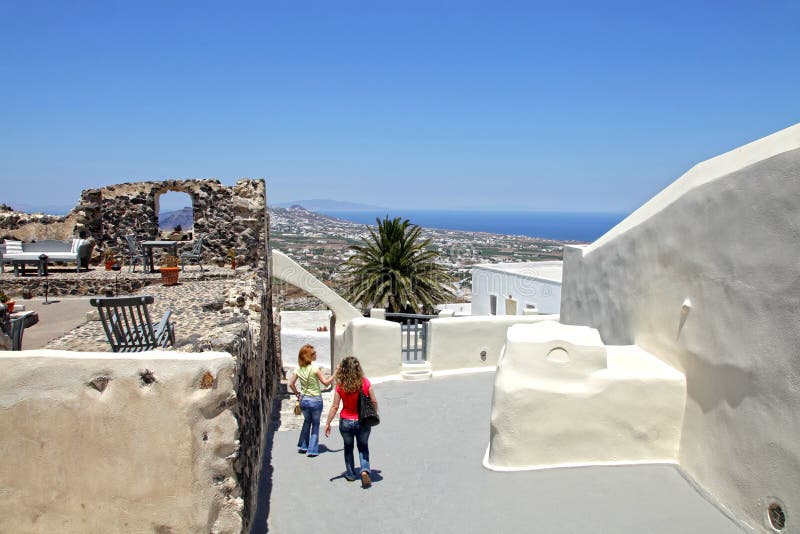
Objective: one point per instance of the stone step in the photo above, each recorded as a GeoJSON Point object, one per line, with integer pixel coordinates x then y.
{"type": "Point", "coordinates": [416, 371]}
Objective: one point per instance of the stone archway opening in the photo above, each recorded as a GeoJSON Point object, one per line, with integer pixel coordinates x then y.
{"type": "Point", "coordinates": [175, 215]}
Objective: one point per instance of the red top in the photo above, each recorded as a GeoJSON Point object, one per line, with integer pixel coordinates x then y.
{"type": "Point", "coordinates": [350, 400]}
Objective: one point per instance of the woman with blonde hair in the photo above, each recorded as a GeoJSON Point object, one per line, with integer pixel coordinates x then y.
{"type": "Point", "coordinates": [350, 382]}
{"type": "Point", "coordinates": [310, 397]}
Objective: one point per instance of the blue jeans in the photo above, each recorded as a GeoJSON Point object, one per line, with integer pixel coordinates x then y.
{"type": "Point", "coordinates": [309, 434]}
{"type": "Point", "coordinates": [352, 431]}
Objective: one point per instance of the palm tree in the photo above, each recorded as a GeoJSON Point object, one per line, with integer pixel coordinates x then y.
{"type": "Point", "coordinates": [395, 269]}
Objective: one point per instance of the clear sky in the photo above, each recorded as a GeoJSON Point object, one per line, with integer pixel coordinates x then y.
{"type": "Point", "coordinates": [419, 104]}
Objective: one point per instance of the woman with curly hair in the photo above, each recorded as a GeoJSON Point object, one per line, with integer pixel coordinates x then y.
{"type": "Point", "coordinates": [310, 399]}
{"type": "Point", "coordinates": [350, 381]}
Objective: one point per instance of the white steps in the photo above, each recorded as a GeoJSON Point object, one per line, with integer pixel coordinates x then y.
{"type": "Point", "coordinates": [416, 371]}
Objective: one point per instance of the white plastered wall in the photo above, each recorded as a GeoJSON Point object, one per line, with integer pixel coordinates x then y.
{"type": "Point", "coordinates": [457, 342]}
{"type": "Point", "coordinates": [375, 343]}
{"type": "Point", "coordinates": [525, 289]}
{"type": "Point", "coordinates": [129, 458]}
{"type": "Point", "coordinates": [705, 276]}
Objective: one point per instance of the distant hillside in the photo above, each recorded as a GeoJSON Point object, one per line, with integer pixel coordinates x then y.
{"type": "Point", "coordinates": [49, 209]}
{"type": "Point", "coordinates": [171, 219]}
{"type": "Point", "coordinates": [318, 204]}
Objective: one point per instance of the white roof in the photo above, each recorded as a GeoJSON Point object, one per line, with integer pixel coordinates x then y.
{"type": "Point", "coordinates": [541, 270]}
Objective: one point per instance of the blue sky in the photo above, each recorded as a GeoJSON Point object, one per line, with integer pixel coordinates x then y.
{"type": "Point", "coordinates": [520, 105]}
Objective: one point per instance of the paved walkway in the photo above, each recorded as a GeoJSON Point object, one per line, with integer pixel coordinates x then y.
{"type": "Point", "coordinates": [428, 477]}
{"type": "Point", "coordinates": [56, 318]}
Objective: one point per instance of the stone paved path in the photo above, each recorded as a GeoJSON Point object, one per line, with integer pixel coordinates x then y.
{"type": "Point", "coordinates": [186, 301]}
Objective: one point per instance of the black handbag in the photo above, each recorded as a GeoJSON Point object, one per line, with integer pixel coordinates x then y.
{"type": "Point", "coordinates": [367, 414]}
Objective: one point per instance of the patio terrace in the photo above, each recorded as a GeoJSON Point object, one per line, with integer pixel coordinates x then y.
{"type": "Point", "coordinates": [427, 477]}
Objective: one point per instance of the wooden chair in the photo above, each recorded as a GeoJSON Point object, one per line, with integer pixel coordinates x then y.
{"type": "Point", "coordinates": [126, 321]}
{"type": "Point", "coordinates": [196, 254]}
{"type": "Point", "coordinates": [136, 252]}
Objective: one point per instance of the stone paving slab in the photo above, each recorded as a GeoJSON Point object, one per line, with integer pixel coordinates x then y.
{"type": "Point", "coordinates": [428, 476]}
{"type": "Point", "coordinates": [185, 300]}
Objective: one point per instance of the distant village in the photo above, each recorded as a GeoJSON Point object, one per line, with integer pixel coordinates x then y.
{"type": "Point", "coordinates": [321, 244]}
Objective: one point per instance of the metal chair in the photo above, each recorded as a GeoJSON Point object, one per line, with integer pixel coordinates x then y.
{"type": "Point", "coordinates": [137, 252]}
{"type": "Point", "coordinates": [12, 327]}
{"type": "Point", "coordinates": [196, 254]}
{"type": "Point", "coordinates": [126, 321]}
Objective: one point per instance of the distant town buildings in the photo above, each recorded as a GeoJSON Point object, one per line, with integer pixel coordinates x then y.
{"type": "Point", "coordinates": [320, 244]}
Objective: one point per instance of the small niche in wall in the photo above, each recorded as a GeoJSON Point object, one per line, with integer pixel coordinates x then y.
{"type": "Point", "coordinates": [492, 304]}
{"type": "Point", "coordinates": [776, 516]}
{"type": "Point", "coordinates": [558, 355]}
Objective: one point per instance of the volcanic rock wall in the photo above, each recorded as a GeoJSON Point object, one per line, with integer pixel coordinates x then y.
{"type": "Point", "coordinates": [231, 217]}
{"type": "Point", "coordinates": [34, 226]}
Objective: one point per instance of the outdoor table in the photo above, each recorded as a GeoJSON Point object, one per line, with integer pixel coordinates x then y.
{"type": "Point", "coordinates": [148, 246]}
{"type": "Point", "coordinates": [40, 262]}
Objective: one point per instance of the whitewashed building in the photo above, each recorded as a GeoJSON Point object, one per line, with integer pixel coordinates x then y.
{"type": "Point", "coordinates": [516, 288]}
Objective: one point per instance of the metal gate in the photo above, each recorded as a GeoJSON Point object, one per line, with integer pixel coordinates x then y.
{"type": "Point", "coordinates": [413, 335]}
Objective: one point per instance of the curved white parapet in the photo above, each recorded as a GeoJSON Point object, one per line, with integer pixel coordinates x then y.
{"type": "Point", "coordinates": [562, 398]}
{"type": "Point", "coordinates": [286, 269]}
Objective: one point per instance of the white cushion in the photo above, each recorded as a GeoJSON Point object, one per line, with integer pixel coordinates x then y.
{"type": "Point", "coordinates": [51, 256]}
{"type": "Point", "coordinates": [13, 247]}
{"type": "Point", "coordinates": [76, 243]}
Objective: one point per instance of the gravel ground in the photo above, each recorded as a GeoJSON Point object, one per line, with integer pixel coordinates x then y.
{"type": "Point", "coordinates": [186, 301]}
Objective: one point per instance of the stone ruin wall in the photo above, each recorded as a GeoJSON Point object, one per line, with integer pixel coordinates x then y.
{"type": "Point", "coordinates": [257, 370]}
{"type": "Point", "coordinates": [231, 217]}
{"type": "Point", "coordinates": [35, 226]}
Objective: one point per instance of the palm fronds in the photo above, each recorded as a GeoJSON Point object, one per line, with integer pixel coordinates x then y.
{"type": "Point", "coordinates": [394, 268]}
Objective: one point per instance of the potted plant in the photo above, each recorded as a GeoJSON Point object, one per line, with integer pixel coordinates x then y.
{"type": "Point", "coordinates": [109, 259]}
{"type": "Point", "coordinates": [176, 233]}
{"type": "Point", "coordinates": [5, 299]}
{"type": "Point", "coordinates": [169, 270]}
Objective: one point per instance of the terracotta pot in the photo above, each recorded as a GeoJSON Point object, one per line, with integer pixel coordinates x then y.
{"type": "Point", "coordinates": [110, 264]}
{"type": "Point", "coordinates": [169, 275]}
{"type": "Point", "coordinates": [10, 306]}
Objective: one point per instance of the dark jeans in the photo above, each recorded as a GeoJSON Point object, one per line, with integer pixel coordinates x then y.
{"type": "Point", "coordinates": [309, 434]}
{"type": "Point", "coordinates": [351, 431]}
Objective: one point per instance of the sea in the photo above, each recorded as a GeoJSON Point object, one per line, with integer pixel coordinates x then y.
{"type": "Point", "coordinates": [560, 226]}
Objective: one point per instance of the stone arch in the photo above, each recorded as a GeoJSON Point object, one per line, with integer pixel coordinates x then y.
{"type": "Point", "coordinates": [172, 195]}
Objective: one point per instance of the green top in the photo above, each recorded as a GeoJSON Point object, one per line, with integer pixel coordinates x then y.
{"type": "Point", "coordinates": [309, 383]}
